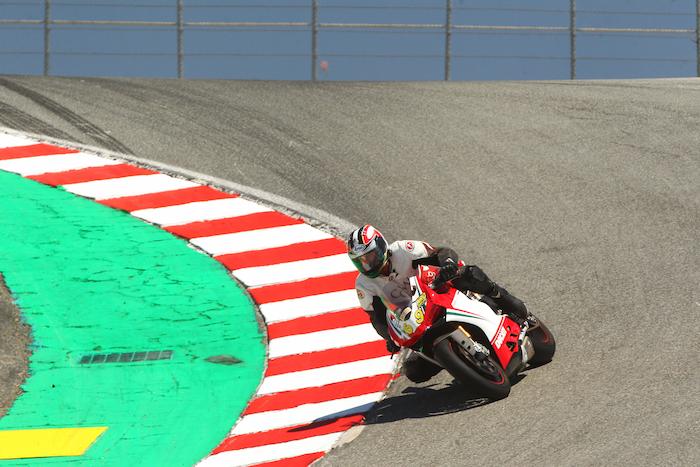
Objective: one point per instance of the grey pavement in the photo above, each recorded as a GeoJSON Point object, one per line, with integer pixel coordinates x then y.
{"type": "Point", "coordinates": [582, 198]}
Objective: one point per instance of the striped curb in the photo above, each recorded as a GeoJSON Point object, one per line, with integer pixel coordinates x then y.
{"type": "Point", "coordinates": [326, 366]}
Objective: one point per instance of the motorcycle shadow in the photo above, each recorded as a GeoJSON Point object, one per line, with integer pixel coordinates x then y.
{"type": "Point", "coordinates": [428, 401]}
{"type": "Point", "coordinates": [417, 402]}
{"type": "Point", "coordinates": [423, 402]}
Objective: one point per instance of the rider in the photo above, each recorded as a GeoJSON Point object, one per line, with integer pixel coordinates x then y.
{"type": "Point", "coordinates": [383, 279]}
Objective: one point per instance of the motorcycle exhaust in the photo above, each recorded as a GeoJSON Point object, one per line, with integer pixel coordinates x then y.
{"type": "Point", "coordinates": [528, 349]}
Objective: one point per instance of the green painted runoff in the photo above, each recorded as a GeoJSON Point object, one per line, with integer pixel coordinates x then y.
{"type": "Point", "coordinates": [90, 279]}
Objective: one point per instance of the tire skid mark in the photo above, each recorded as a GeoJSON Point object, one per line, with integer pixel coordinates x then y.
{"type": "Point", "coordinates": [86, 127]}
{"type": "Point", "coordinates": [13, 117]}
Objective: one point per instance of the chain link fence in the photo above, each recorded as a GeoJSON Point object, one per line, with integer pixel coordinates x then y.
{"type": "Point", "coordinates": [439, 36]}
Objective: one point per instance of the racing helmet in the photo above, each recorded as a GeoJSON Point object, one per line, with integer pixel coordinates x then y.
{"type": "Point", "coordinates": [367, 249]}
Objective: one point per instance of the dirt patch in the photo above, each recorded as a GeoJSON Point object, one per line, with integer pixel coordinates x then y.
{"type": "Point", "coordinates": [14, 350]}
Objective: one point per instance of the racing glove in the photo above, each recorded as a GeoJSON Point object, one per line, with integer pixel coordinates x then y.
{"type": "Point", "coordinates": [447, 272]}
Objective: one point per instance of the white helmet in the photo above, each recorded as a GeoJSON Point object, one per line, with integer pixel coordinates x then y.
{"type": "Point", "coordinates": [368, 250]}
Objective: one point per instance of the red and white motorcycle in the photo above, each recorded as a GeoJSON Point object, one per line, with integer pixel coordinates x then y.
{"type": "Point", "coordinates": [478, 346]}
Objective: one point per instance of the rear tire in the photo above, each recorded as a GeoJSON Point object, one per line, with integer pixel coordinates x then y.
{"type": "Point", "coordinates": [487, 377]}
{"type": "Point", "coordinates": [544, 344]}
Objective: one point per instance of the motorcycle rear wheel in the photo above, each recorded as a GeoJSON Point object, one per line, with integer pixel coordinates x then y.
{"type": "Point", "coordinates": [544, 344]}
{"type": "Point", "coordinates": [486, 376]}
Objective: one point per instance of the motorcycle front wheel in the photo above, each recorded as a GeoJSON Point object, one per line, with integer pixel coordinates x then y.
{"type": "Point", "coordinates": [485, 375]}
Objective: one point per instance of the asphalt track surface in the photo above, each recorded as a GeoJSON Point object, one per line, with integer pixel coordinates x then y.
{"type": "Point", "coordinates": [582, 198]}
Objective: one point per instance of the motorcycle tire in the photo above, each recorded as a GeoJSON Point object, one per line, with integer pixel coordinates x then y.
{"type": "Point", "coordinates": [487, 377]}
{"type": "Point", "coordinates": [544, 344]}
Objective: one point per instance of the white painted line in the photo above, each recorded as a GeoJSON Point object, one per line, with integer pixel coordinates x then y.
{"type": "Point", "coordinates": [128, 186]}
{"type": "Point", "coordinates": [321, 340]}
{"type": "Point", "coordinates": [312, 305]}
{"type": "Point", "coordinates": [327, 375]}
{"type": "Point", "coordinates": [38, 165]}
{"type": "Point", "coordinates": [294, 271]}
{"type": "Point", "coordinates": [200, 211]}
{"type": "Point", "coordinates": [262, 239]}
{"type": "Point", "coordinates": [271, 452]}
{"type": "Point", "coordinates": [8, 141]}
{"type": "Point", "coordinates": [306, 413]}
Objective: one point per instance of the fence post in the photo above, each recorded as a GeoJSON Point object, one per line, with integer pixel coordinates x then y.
{"type": "Point", "coordinates": [572, 38]}
{"type": "Point", "coordinates": [448, 38]}
{"type": "Point", "coordinates": [47, 37]}
{"type": "Point", "coordinates": [314, 38]}
{"type": "Point", "coordinates": [180, 54]}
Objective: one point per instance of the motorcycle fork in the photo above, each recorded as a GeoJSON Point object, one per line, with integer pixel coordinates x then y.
{"type": "Point", "coordinates": [461, 337]}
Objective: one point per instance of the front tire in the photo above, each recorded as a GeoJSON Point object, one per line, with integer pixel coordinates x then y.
{"type": "Point", "coordinates": [544, 344]}
{"type": "Point", "coordinates": [487, 376]}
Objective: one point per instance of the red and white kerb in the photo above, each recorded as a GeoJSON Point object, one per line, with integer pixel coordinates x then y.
{"type": "Point", "coordinates": [326, 365]}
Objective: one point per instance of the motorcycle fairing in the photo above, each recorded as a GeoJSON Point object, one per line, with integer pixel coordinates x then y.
{"type": "Point", "coordinates": [501, 331]}
{"type": "Point", "coordinates": [408, 325]}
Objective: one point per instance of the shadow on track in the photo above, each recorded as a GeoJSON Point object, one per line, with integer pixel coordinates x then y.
{"type": "Point", "coordinates": [428, 401]}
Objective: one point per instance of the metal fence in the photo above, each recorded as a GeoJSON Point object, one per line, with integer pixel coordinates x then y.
{"type": "Point", "coordinates": [448, 28]}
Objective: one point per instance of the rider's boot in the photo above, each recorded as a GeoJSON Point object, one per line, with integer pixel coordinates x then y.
{"type": "Point", "coordinates": [473, 278]}
{"type": "Point", "coordinates": [510, 304]}
{"type": "Point", "coordinates": [418, 369]}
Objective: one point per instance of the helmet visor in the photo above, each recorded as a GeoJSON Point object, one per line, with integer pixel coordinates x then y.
{"type": "Point", "coordinates": [371, 262]}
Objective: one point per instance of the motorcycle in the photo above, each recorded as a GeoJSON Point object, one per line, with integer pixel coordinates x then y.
{"type": "Point", "coordinates": [471, 339]}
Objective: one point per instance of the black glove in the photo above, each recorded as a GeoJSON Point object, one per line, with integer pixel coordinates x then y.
{"type": "Point", "coordinates": [447, 272]}
{"type": "Point", "coordinates": [391, 346]}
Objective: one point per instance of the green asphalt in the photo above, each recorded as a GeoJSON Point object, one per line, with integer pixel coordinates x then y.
{"type": "Point", "coordinates": [93, 280]}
